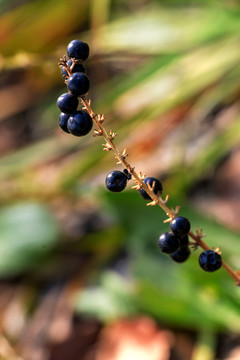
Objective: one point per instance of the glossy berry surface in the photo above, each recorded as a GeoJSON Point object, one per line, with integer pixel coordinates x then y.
{"type": "Point", "coordinates": [78, 49]}
{"type": "Point", "coordinates": [181, 254]}
{"type": "Point", "coordinates": [67, 103]}
{"type": "Point", "coordinates": [78, 84]}
{"type": "Point", "coordinates": [210, 261]}
{"type": "Point", "coordinates": [116, 181]}
{"type": "Point", "coordinates": [62, 121]}
{"type": "Point", "coordinates": [76, 68]}
{"type": "Point", "coordinates": [79, 123]}
{"type": "Point", "coordinates": [157, 188]}
{"type": "Point", "coordinates": [168, 243]}
{"type": "Point", "coordinates": [180, 226]}
{"type": "Point", "coordinates": [184, 241]}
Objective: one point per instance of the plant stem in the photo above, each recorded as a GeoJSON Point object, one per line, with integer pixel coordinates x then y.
{"type": "Point", "coordinates": [156, 200]}
{"type": "Point", "coordinates": [122, 158]}
{"type": "Point", "coordinates": [204, 246]}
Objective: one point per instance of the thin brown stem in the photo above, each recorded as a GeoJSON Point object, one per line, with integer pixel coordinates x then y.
{"type": "Point", "coordinates": [156, 200]}
{"type": "Point", "coordinates": [122, 159]}
{"type": "Point", "coordinates": [204, 246]}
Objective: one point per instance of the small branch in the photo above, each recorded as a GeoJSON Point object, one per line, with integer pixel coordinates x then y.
{"type": "Point", "coordinates": [121, 157]}
{"type": "Point", "coordinates": [198, 239]}
{"type": "Point", "coordinates": [156, 200]}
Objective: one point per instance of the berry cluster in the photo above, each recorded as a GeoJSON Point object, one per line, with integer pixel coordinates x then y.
{"type": "Point", "coordinates": [78, 123]}
{"type": "Point", "coordinates": [175, 242]}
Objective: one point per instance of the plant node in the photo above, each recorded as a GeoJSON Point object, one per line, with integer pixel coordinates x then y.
{"type": "Point", "coordinates": [107, 147]}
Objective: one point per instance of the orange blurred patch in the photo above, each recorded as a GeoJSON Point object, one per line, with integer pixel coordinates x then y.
{"type": "Point", "coordinates": [138, 338]}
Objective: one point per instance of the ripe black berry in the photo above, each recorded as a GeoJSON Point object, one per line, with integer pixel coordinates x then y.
{"type": "Point", "coordinates": [116, 181]}
{"type": "Point", "coordinates": [62, 121]}
{"type": "Point", "coordinates": [181, 254]}
{"type": "Point", "coordinates": [157, 188]}
{"type": "Point", "coordinates": [180, 226]}
{"type": "Point", "coordinates": [79, 123]}
{"type": "Point", "coordinates": [78, 84]}
{"type": "Point", "coordinates": [76, 68]}
{"type": "Point", "coordinates": [210, 261]}
{"type": "Point", "coordinates": [67, 103]}
{"type": "Point", "coordinates": [168, 243]}
{"type": "Point", "coordinates": [184, 241]}
{"type": "Point", "coordinates": [78, 49]}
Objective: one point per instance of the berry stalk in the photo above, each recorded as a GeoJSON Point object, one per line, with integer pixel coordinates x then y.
{"type": "Point", "coordinates": [156, 200]}
{"type": "Point", "coordinates": [121, 157]}
{"type": "Point", "coordinates": [198, 239]}
{"type": "Point", "coordinates": [79, 123]}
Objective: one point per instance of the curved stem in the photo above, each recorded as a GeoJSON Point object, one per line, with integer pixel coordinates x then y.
{"type": "Point", "coordinates": [122, 158]}
{"type": "Point", "coordinates": [157, 200]}
{"type": "Point", "coordinates": [204, 246]}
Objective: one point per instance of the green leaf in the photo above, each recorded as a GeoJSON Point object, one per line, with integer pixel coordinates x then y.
{"type": "Point", "coordinates": [112, 298]}
{"type": "Point", "coordinates": [157, 29]}
{"type": "Point", "coordinates": [22, 30]}
{"type": "Point", "coordinates": [27, 233]}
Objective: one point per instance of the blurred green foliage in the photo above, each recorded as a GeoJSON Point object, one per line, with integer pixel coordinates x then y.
{"type": "Point", "coordinates": [164, 66]}
{"type": "Point", "coordinates": [27, 234]}
{"type": "Point", "coordinates": [177, 294]}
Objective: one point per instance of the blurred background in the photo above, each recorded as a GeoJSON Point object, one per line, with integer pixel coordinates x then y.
{"type": "Point", "coordinates": [81, 274]}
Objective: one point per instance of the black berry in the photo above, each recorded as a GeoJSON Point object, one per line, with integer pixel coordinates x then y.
{"type": "Point", "coordinates": [181, 254]}
{"type": "Point", "coordinates": [184, 241]}
{"type": "Point", "coordinates": [116, 181]}
{"type": "Point", "coordinates": [168, 243]}
{"type": "Point", "coordinates": [78, 84]}
{"type": "Point", "coordinates": [157, 188]}
{"type": "Point", "coordinates": [67, 103]}
{"type": "Point", "coordinates": [180, 226]}
{"type": "Point", "coordinates": [62, 121]}
{"type": "Point", "coordinates": [210, 261]}
{"type": "Point", "coordinates": [78, 49]}
{"type": "Point", "coordinates": [79, 123]}
{"type": "Point", "coordinates": [76, 68]}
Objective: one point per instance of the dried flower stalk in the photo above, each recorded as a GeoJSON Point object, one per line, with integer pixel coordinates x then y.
{"type": "Point", "coordinates": [156, 200]}
{"type": "Point", "coordinates": [138, 178]}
